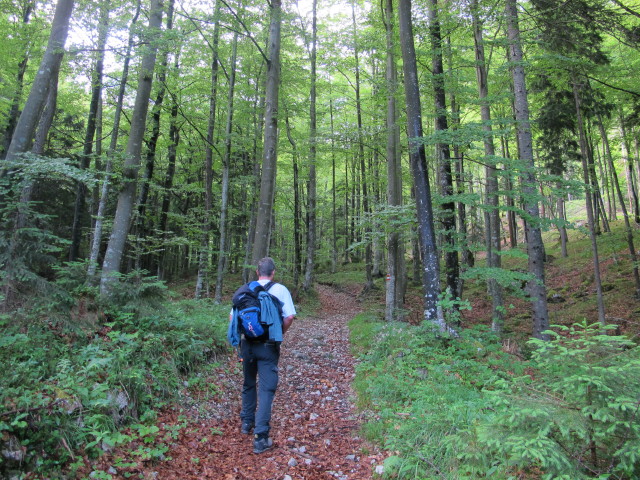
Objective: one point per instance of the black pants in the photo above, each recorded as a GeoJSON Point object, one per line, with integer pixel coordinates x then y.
{"type": "Point", "coordinates": [260, 368]}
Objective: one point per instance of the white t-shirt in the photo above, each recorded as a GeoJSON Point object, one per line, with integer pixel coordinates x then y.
{"type": "Point", "coordinates": [281, 293]}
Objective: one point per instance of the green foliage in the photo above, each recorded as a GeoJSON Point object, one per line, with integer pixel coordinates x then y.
{"type": "Point", "coordinates": [420, 388]}
{"type": "Point", "coordinates": [575, 417]}
{"type": "Point", "coordinates": [462, 408]}
{"type": "Point", "coordinates": [69, 389]}
{"type": "Point", "coordinates": [29, 247]}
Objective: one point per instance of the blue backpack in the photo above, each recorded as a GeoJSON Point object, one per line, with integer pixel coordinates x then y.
{"type": "Point", "coordinates": [253, 321]}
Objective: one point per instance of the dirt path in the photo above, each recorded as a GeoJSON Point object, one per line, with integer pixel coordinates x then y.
{"type": "Point", "coordinates": [314, 423]}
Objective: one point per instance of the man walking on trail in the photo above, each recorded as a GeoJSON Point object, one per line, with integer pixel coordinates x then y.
{"type": "Point", "coordinates": [260, 361]}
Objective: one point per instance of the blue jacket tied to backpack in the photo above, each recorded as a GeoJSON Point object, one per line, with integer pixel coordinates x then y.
{"type": "Point", "coordinates": [248, 300]}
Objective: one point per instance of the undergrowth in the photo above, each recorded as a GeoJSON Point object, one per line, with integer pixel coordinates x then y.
{"type": "Point", "coordinates": [464, 409]}
{"type": "Point", "coordinates": [71, 383]}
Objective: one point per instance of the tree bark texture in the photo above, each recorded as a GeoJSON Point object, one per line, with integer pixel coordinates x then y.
{"type": "Point", "coordinates": [426, 232]}
{"type": "Point", "coordinates": [443, 154]}
{"type": "Point", "coordinates": [535, 247]}
{"type": "Point", "coordinates": [396, 271]}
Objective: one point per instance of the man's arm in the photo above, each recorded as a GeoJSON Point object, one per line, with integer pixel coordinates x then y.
{"type": "Point", "coordinates": [286, 322]}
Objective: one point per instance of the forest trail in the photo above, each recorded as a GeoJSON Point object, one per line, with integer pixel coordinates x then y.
{"type": "Point", "coordinates": [314, 423]}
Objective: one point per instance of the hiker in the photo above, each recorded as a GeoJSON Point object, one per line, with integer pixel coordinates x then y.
{"type": "Point", "coordinates": [260, 357]}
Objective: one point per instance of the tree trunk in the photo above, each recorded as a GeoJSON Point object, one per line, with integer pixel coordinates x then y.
{"type": "Point", "coordinates": [94, 105]}
{"type": "Point", "coordinates": [589, 198]}
{"type": "Point", "coordinates": [311, 186]}
{"type": "Point", "coordinates": [172, 154]}
{"type": "Point", "coordinates": [270, 154]}
{"type": "Point", "coordinates": [297, 210]}
{"type": "Point", "coordinates": [46, 119]}
{"type": "Point", "coordinates": [491, 174]}
{"type": "Point", "coordinates": [202, 282]}
{"type": "Point", "coordinates": [24, 133]}
{"type": "Point", "coordinates": [396, 272]}
{"type": "Point", "coordinates": [104, 191]}
{"type": "Point", "coordinates": [126, 198]}
{"type": "Point", "coordinates": [443, 154]}
{"type": "Point", "coordinates": [427, 238]}
{"type": "Point", "coordinates": [363, 172]}
{"type": "Point", "coordinates": [224, 197]}
{"type": "Point", "coordinates": [535, 247]}
{"type": "Point", "coordinates": [334, 254]}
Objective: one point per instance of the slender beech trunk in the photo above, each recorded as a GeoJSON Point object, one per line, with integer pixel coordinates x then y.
{"type": "Point", "coordinates": [396, 269]}
{"type": "Point", "coordinates": [94, 105]}
{"type": "Point", "coordinates": [334, 255]}
{"type": "Point", "coordinates": [202, 282]}
{"type": "Point", "coordinates": [297, 210]}
{"type": "Point", "coordinates": [491, 174]}
{"type": "Point", "coordinates": [443, 155]}
{"type": "Point", "coordinates": [104, 191]}
{"type": "Point", "coordinates": [417, 155]}
{"type": "Point", "coordinates": [589, 203]}
{"type": "Point", "coordinates": [363, 172]}
{"type": "Point", "coordinates": [24, 133]}
{"type": "Point", "coordinates": [126, 198]}
{"type": "Point", "coordinates": [172, 154]}
{"type": "Point", "coordinates": [535, 247]}
{"type": "Point", "coordinates": [226, 161]}
{"type": "Point", "coordinates": [270, 154]}
{"type": "Point", "coordinates": [311, 186]}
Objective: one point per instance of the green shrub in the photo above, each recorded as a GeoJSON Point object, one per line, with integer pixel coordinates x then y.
{"type": "Point", "coordinates": [575, 416]}
{"type": "Point", "coordinates": [63, 392]}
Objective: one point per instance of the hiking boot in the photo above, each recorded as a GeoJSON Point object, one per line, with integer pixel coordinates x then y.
{"type": "Point", "coordinates": [246, 428]}
{"type": "Point", "coordinates": [262, 444]}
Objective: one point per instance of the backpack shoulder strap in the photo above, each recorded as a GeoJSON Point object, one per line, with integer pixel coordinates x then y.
{"type": "Point", "coordinates": [268, 286]}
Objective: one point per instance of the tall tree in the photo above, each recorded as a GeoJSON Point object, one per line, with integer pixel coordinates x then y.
{"type": "Point", "coordinates": [49, 67]}
{"type": "Point", "coordinates": [589, 204]}
{"type": "Point", "coordinates": [270, 154]}
{"type": "Point", "coordinates": [443, 154]}
{"type": "Point", "coordinates": [493, 215]}
{"type": "Point", "coordinates": [535, 247]}
{"type": "Point", "coordinates": [121, 223]}
{"type": "Point", "coordinates": [417, 155]}
{"type": "Point", "coordinates": [396, 272]}
{"type": "Point", "coordinates": [226, 160]}
{"type": "Point", "coordinates": [202, 282]}
{"type": "Point", "coordinates": [313, 127]}
{"type": "Point", "coordinates": [361, 160]}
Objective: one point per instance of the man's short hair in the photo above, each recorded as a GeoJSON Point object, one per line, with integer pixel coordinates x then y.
{"type": "Point", "coordinates": [266, 266]}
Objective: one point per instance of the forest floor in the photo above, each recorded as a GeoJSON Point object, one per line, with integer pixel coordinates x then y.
{"type": "Point", "coordinates": [315, 425]}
